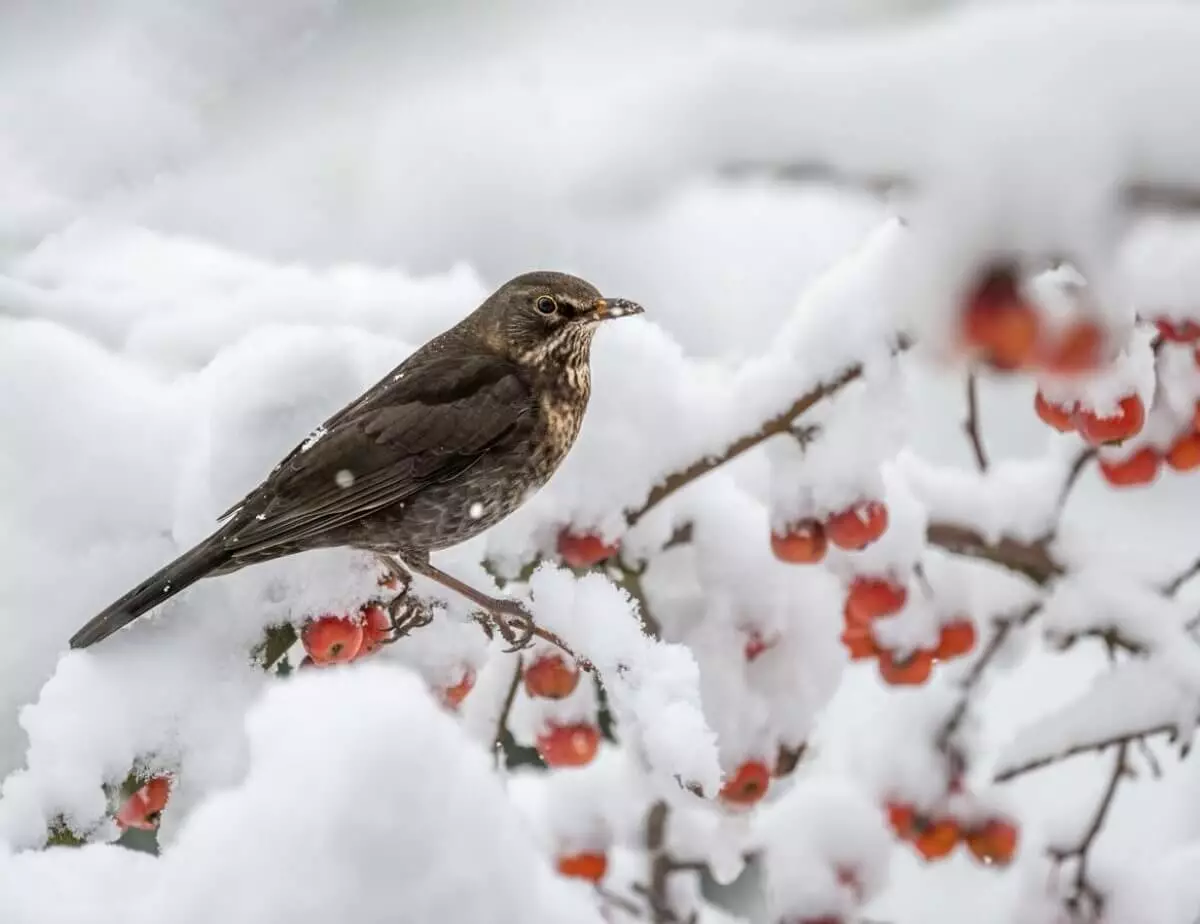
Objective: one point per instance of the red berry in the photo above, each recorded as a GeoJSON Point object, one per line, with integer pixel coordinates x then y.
{"type": "Point", "coordinates": [860, 643]}
{"type": "Point", "coordinates": [551, 677]}
{"type": "Point", "coordinates": [869, 598]}
{"type": "Point", "coordinates": [569, 745]}
{"type": "Point", "coordinates": [956, 639]}
{"type": "Point", "coordinates": [803, 543]}
{"type": "Point", "coordinates": [376, 626]}
{"type": "Point", "coordinates": [857, 527]}
{"type": "Point", "coordinates": [748, 785]}
{"type": "Point", "coordinates": [453, 696]}
{"type": "Point", "coordinates": [584, 551]}
{"type": "Point", "coordinates": [1140, 468]}
{"type": "Point", "coordinates": [1178, 331]}
{"type": "Point", "coordinates": [937, 841]}
{"type": "Point", "coordinates": [1126, 422]}
{"type": "Point", "coordinates": [1059, 416]}
{"type": "Point", "coordinates": [1184, 455]}
{"type": "Point", "coordinates": [994, 843]}
{"type": "Point", "coordinates": [589, 866]}
{"type": "Point", "coordinates": [998, 321]}
{"type": "Point", "coordinates": [1076, 350]}
{"type": "Point", "coordinates": [756, 645]}
{"type": "Point", "coordinates": [902, 819]}
{"type": "Point", "coordinates": [332, 639]}
{"type": "Point", "coordinates": [912, 671]}
{"type": "Point", "coordinates": [142, 809]}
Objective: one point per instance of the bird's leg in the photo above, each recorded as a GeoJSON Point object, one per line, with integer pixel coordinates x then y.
{"type": "Point", "coordinates": [510, 618]}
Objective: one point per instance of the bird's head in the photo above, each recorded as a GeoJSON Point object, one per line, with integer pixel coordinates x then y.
{"type": "Point", "coordinates": [548, 319]}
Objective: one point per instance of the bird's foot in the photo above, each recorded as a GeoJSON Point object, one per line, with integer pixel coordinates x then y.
{"type": "Point", "coordinates": [406, 615]}
{"type": "Point", "coordinates": [510, 619]}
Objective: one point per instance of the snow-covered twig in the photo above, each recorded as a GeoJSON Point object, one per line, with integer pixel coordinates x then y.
{"type": "Point", "coordinates": [1086, 746]}
{"type": "Point", "coordinates": [781, 423]}
{"type": "Point", "coordinates": [1031, 559]}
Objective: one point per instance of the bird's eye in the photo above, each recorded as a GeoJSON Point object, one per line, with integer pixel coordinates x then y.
{"type": "Point", "coordinates": [546, 305]}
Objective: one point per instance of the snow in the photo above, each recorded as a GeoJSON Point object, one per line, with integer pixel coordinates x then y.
{"type": "Point", "coordinates": [222, 223]}
{"type": "Point", "coordinates": [350, 778]}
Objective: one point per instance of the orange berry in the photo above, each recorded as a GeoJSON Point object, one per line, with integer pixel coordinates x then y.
{"type": "Point", "coordinates": [857, 527]}
{"type": "Point", "coordinates": [584, 551]}
{"type": "Point", "coordinates": [1077, 349]}
{"type": "Point", "coordinates": [804, 543]}
{"type": "Point", "coordinates": [869, 598]}
{"type": "Point", "coordinates": [937, 840]}
{"type": "Point", "coordinates": [1126, 422]}
{"type": "Point", "coordinates": [859, 643]}
{"type": "Point", "coordinates": [956, 639]}
{"type": "Point", "coordinates": [569, 745]}
{"type": "Point", "coordinates": [589, 866]}
{"type": "Point", "coordinates": [912, 671]}
{"type": "Point", "coordinates": [999, 323]}
{"type": "Point", "coordinates": [902, 819]}
{"type": "Point", "coordinates": [453, 696]}
{"type": "Point", "coordinates": [994, 843]}
{"type": "Point", "coordinates": [1184, 455]}
{"type": "Point", "coordinates": [376, 626]}
{"type": "Point", "coordinates": [332, 639]}
{"type": "Point", "coordinates": [1137, 469]}
{"type": "Point", "coordinates": [1059, 416]}
{"type": "Point", "coordinates": [551, 677]}
{"type": "Point", "coordinates": [748, 785]}
{"type": "Point", "coordinates": [1178, 331]}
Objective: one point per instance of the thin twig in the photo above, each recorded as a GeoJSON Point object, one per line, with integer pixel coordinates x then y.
{"type": "Point", "coordinates": [971, 424]}
{"type": "Point", "coordinates": [502, 722]}
{"type": "Point", "coordinates": [1085, 747]}
{"type": "Point", "coordinates": [780, 423]}
{"type": "Point", "coordinates": [1082, 887]}
{"type": "Point", "coordinates": [1173, 586]}
{"type": "Point", "coordinates": [974, 676]}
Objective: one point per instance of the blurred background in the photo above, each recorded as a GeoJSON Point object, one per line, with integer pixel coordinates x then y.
{"type": "Point", "coordinates": [149, 144]}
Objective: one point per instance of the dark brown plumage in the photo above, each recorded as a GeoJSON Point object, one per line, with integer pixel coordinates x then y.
{"type": "Point", "coordinates": [447, 444]}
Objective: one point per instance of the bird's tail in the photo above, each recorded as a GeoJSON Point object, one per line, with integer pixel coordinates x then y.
{"type": "Point", "coordinates": [180, 574]}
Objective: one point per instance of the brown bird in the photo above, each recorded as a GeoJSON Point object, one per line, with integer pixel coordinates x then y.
{"type": "Point", "coordinates": [447, 444]}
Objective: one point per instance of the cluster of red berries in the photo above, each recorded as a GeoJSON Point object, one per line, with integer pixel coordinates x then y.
{"type": "Point", "coordinates": [992, 842]}
{"type": "Point", "coordinates": [806, 541]}
{"type": "Point", "coordinates": [1003, 329]}
{"type": "Point", "coordinates": [872, 598]}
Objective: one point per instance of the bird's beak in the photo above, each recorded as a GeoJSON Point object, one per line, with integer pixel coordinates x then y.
{"type": "Point", "coordinates": [605, 309]}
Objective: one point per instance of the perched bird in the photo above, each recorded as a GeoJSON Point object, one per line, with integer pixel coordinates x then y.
{"type": "Point", "coordinates": [447, 444]}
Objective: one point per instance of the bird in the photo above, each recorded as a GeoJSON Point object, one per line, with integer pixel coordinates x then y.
{"type": "Point", "coordinates": [450, 442]}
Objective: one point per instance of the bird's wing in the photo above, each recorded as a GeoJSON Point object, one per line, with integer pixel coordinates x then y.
{"type": "Point", "coordinates": [429, 425]}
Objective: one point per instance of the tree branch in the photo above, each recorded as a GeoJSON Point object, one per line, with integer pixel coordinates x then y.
{"type": "Point", "coordinates": [1030, 559]}
{"type": "Point", "coordinates": [971, 425]}
{"type": "Point", "coordinates": [780, 423]}
{"type": "Point", "coordinates": [1173, 586]}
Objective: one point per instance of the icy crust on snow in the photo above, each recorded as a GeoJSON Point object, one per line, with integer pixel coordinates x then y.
{"type": "Point", "coordinates": [1132, 698]}
{"type": "Point", "coordinates": [833, 833]}
{"type": "Point", "coordinates": [350, 778]}
{"type": "Point", "coordinates": [653, 687]}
